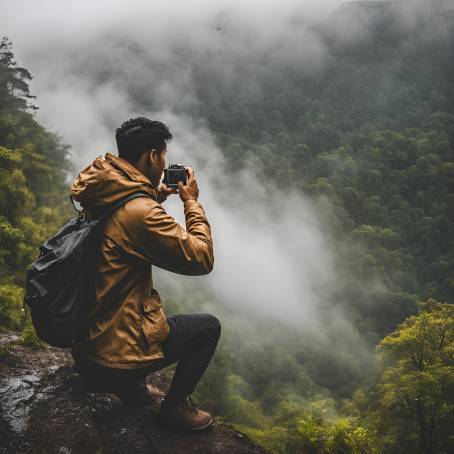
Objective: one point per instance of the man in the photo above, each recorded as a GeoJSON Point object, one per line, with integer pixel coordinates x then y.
{"type": "Point", "coordinates": [128, 336]}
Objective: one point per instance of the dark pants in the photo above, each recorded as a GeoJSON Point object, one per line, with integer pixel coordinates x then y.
{"type": "Point", "coordinates": [191, 343]}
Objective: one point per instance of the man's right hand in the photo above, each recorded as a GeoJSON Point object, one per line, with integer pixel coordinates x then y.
{"type": "Point", "coordinates": [190, 191]}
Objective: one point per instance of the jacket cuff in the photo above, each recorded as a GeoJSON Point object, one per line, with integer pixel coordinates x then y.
{"type": "Point", "coordinates": [190, 202]}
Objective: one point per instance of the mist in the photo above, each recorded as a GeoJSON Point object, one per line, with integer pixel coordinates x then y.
{"type": "Point", "coordinates": [97, 64]}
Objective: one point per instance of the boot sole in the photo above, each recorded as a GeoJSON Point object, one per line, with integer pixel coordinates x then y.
{"type": "Point", "coordinates": [185, 428]}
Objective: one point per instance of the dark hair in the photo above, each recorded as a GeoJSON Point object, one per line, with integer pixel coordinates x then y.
{"type": "Point", "coordinates": [138, 135]}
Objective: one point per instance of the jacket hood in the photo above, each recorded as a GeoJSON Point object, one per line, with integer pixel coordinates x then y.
{"type": "Point", "coordinates": [108, 179]}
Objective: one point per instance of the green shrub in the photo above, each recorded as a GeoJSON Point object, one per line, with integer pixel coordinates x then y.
{"type": "Point", "coordinates": [29, 337]}
{"type": "Point", "coordinates": [11, 297]}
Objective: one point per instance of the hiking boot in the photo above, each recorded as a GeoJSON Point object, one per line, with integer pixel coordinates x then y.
{"type": "Point", "coordinates": [184, 415]}
{"type": "Point", "coordinates": [140, 394]}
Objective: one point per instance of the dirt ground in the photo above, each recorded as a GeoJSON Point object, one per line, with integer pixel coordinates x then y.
{"type": "Point", "coordinates": [44, 408]}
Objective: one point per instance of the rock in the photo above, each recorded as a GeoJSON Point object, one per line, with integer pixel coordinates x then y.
{"type": "Point", "coordinates": [45, 408]}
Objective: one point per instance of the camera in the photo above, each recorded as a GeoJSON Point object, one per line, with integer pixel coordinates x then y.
{"type": "Point", "coordinates": [173, 174]}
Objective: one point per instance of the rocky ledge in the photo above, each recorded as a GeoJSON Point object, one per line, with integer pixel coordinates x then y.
{"type": "Point", "coordinates": [44, 409]}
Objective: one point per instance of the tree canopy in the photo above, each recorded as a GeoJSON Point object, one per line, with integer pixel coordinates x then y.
{"type": "Point", "coordinates": [33, 166]}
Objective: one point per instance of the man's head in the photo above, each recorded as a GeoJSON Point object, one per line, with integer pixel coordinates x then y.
{"type": "Point", "coordinates": [143, 142]}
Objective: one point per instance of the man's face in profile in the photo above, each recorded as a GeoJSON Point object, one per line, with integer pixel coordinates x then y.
{"type": "Point", "coordinates": [156, 166]}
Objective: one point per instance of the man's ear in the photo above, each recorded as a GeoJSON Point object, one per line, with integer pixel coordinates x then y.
{"type": "Point", "coordinates": [153, 155]}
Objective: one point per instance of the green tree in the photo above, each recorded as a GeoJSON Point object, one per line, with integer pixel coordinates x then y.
{"type": "Point", "coordinates": [14, 90]}
{"type": "Point", "coordinates": [33, 165]}
{"type": "Point", "coordinates": [415, 396]}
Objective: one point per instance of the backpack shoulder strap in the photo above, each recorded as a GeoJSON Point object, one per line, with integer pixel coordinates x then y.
{"type": "Point", "coordinates": [120, 203]}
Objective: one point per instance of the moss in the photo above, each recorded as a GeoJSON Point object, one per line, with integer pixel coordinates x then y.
{"type": "Point", "coordinates": [29, 337]}
{"type": "Point", "coordinates": [11, 314]}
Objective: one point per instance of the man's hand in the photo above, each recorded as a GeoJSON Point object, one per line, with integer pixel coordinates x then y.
{"type": "Point", "coordinates": [190, 191]}
{"type": "Point", "coordinates": [164, 191]}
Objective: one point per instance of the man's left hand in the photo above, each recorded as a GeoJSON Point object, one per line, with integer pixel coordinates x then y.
{"type": "Point", "coordinates": [164, 191]}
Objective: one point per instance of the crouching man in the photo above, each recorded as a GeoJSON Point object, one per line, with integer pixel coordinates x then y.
{"type": "Point", "coordinates": [128, 335]}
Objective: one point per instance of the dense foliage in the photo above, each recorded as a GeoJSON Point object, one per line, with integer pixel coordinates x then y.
{"type": "Point", "coordinates": [374, 133]}
{"type": "Point", "coordinates": [33, 163]}
{"type": "Point", "coordinates": [413, 406]}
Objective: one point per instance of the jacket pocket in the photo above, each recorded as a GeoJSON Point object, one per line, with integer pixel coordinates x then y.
{"type": "Point", "coordinates": [153, 327]}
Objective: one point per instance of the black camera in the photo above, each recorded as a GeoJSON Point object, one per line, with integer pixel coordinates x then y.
{"type": "Point", "coordinates": [173, 174]}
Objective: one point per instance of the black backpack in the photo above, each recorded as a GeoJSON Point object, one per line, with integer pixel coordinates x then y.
{"type": "Point", "coordinates": [59, 289]}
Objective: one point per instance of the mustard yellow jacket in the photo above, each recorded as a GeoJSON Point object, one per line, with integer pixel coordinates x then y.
{"type": "Point", "coordinates": [126, 323]}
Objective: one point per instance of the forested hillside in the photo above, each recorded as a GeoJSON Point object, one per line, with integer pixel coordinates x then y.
{"type": "Point", "coordinates": [33, 199]}
{"type": "Point", "coordinates": [373, 131]}
{"type": "Point", "coordinates": [369, 137]}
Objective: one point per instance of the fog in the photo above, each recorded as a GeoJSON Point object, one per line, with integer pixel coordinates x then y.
{"type": "Point", "coordinates": [96, 64]}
